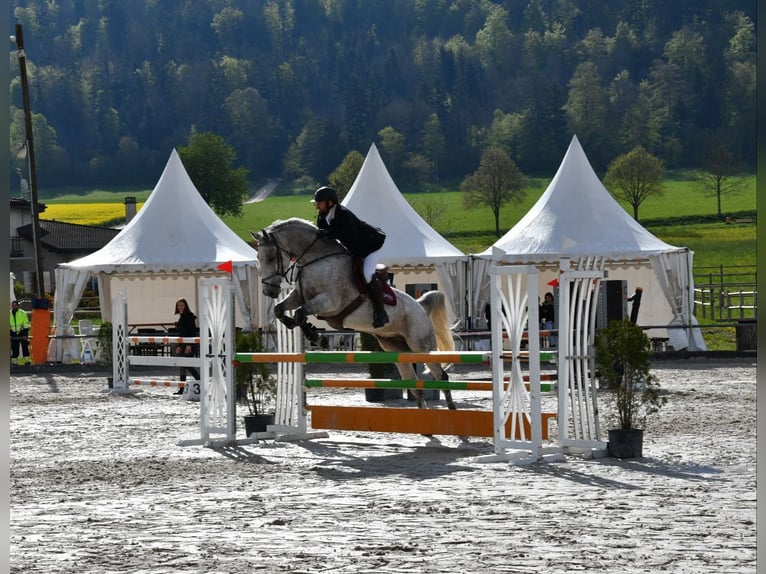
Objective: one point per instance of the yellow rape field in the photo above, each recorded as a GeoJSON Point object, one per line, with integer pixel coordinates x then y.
{"type": "Point", "coordinates": [99, 214]}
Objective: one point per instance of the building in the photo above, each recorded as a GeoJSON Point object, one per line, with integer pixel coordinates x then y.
{"type": "Point", "coordinates": [59, 243]}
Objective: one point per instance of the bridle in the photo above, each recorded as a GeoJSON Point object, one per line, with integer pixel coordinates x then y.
{"type": "Point", "coordinates": [270, 241]}
{"type": "Point", "coordinates": [292, 273]}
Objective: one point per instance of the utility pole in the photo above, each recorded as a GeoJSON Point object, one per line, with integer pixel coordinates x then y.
{"type": "Point", "coordinates": [19, 39]}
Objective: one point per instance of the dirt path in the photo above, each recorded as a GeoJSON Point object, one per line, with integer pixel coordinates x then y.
{"type": "Point", "coordinates": [263, 192]}
{"type": "Point", "coordinates": [99, 485]}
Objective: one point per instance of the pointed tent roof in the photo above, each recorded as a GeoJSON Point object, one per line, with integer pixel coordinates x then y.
{"type": "Point", "coordinates": [375, 198]}
{"type": "Point", "coordinates": [174, 231]}
{"type": "Point", "coordinates": [576, 217]}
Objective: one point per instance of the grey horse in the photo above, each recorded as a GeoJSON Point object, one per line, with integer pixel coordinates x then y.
{"type": "Point", "coordinates": [324, 285]}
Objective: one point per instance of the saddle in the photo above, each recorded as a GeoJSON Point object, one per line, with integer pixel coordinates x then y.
{"type": "Point", "coordinates": [389, 297]}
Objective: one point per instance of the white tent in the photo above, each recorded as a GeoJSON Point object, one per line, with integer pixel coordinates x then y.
{"type": "Point", "coordinates": [411, 245]}
{"type": "Point", "coordinates": [158, 257]}
{"type": "Point", "coordinates": [13, 290]}
{"type": "Point", "coordinates": [577, 218]}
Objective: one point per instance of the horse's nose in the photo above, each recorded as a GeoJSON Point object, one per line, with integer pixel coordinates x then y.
{"type": "Point", "coordinates": [270, 291]}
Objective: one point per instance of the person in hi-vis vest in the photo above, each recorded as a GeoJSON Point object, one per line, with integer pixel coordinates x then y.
{"type": "Point", "coordinates": [19, 335]}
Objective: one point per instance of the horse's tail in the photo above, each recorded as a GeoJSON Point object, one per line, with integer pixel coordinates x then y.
{"type": "Point", "coordinates": [436, 307]}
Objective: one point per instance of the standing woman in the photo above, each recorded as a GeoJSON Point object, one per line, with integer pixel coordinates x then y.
{"type": "Point", "coordinates": [548, 316]}
{"type": "Point", "coordinates": [186, 326]}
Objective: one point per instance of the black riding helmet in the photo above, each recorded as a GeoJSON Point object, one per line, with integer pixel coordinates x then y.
{"type": "Point", "coordinates": [325, 193]}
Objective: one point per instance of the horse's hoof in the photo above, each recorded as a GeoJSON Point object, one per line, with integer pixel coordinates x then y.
{"type": "Point", "coordinates": [324, 342]}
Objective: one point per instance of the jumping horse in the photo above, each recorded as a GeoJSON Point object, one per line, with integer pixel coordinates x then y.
{"type": "Point", "coordinates": [321, 274]}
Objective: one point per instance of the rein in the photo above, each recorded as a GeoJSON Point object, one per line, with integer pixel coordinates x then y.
{"type": "Point", "coordinates": [290, 275]}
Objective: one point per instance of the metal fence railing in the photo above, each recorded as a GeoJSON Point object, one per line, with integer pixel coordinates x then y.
{"type": "Point", "coordinates": [725, 293]}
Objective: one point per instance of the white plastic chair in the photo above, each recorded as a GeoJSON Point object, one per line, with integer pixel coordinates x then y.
{"type": "Point", "coordinates": [88, 341]}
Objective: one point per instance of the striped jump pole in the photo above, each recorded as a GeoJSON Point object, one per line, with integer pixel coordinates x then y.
{"type": "Point", "coordinates": [158, 383]}
{"type": "Point", "coordinates": [457, 357]}
{"type": "Point", "coordinates": [405, 384]}
{"type": "Point", "coordinates": [465, 357]}
{"type": "Point", "coordinates": [164, 340]}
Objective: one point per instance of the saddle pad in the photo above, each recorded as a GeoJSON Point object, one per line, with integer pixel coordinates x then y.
{"type": "Point", "coordinates": [389, 297]}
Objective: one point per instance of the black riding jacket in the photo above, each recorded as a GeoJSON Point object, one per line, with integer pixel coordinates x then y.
{"type": "Point", "coordinates": [359, 237]}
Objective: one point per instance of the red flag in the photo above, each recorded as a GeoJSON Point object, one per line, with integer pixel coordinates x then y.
{"type": "Point", "coordinates": [553, 282]}
{"type": "Point", "coordinates": [228, 267]}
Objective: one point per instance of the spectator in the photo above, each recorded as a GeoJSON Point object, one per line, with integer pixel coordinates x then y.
{"type": "Point", "coordinates": [19, 335]}
{"type": "Point", "coordinates": [547, 316]}
{"type": "Point", "coordinates": [186, 326]}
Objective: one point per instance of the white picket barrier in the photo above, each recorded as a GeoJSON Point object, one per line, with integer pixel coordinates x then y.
{"type": "Point", "coordinates": [217, 395]}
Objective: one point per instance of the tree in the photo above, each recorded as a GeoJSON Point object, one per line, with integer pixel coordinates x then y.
{"type": "Point", "coordinates": [434, 212]}
{"type": "Point", "coordinates": [392, 149]}
{"type": "Point", "coordinates": [434, 143]}
{"type": "Point", "coordinates": [718, 176]}
{"type": "Point", "coordinates": [586, 111]}
{"type": "Point", "coordinates": [208, 160]}
{"type": "Point", "coordinates": [634, 176]}
{"type": "Point", "coordinates": [418, 170]}
{"type": "Point", "coordinates": [497, 182]}
{"type": "Point", "coordinates": [344, 175]}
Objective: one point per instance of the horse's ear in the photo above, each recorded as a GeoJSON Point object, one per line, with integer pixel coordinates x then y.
{"type": "Point", "coordinates": [257, 238]}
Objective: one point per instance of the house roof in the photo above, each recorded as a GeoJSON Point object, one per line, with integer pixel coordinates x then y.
{"type": "Point", "coordinates": [62, 237]}
{"type": "Point", "coordinates": [21, 203]}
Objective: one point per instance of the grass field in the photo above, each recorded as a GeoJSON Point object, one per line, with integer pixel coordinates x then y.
{"type": "Point", "coordinates": [681, 217]}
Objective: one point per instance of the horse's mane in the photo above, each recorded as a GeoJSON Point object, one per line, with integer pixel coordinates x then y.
{"type": "Point", "coordinates": [279, 223]}
{"type": "Point", "coordinates": [301, 230]}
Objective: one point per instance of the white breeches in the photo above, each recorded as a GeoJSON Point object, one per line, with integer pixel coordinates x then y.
{"type": "Point", "coordinates": [368, 266]}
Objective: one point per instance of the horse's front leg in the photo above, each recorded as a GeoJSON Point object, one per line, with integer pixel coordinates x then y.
{"type": "Point", "coordinates": [291, 301]}
{"type": "Point", "coordinates": [323, 304]}
{"type": "Point", "coordinates": [309, 330]}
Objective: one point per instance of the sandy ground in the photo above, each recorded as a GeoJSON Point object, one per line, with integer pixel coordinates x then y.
{"type": "Point", "coordinates": [98, 484]}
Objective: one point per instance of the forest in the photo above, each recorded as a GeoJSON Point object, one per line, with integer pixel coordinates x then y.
{"type": "Point", "coordinates": [295, 85]}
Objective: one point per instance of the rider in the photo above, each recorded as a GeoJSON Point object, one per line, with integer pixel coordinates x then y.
{"type": "Point", "coordinates": [360, 238]}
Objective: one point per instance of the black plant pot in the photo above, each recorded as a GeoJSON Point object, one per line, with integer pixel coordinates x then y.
{"type": "Point", "coordinates": [626, 443]}
{"type": "Point", "coordinates": [257, 423]}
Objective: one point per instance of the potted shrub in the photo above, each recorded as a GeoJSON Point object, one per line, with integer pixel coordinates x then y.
{"type": "Point", "coordinates": [255, 386]}
{"type": "Point", "coordinates": [104, 337]}
{"type": "Point", "coordinates": [623, 356]}
{"type": "Point", "coordinates": [104, 353]}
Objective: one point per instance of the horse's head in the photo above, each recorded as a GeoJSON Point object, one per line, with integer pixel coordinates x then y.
{"type": "Point", "coordinates": [273, 261]}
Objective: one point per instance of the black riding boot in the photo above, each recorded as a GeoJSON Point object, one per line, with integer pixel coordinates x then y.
{"type": "Point", "coordinates": [379, 316]}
